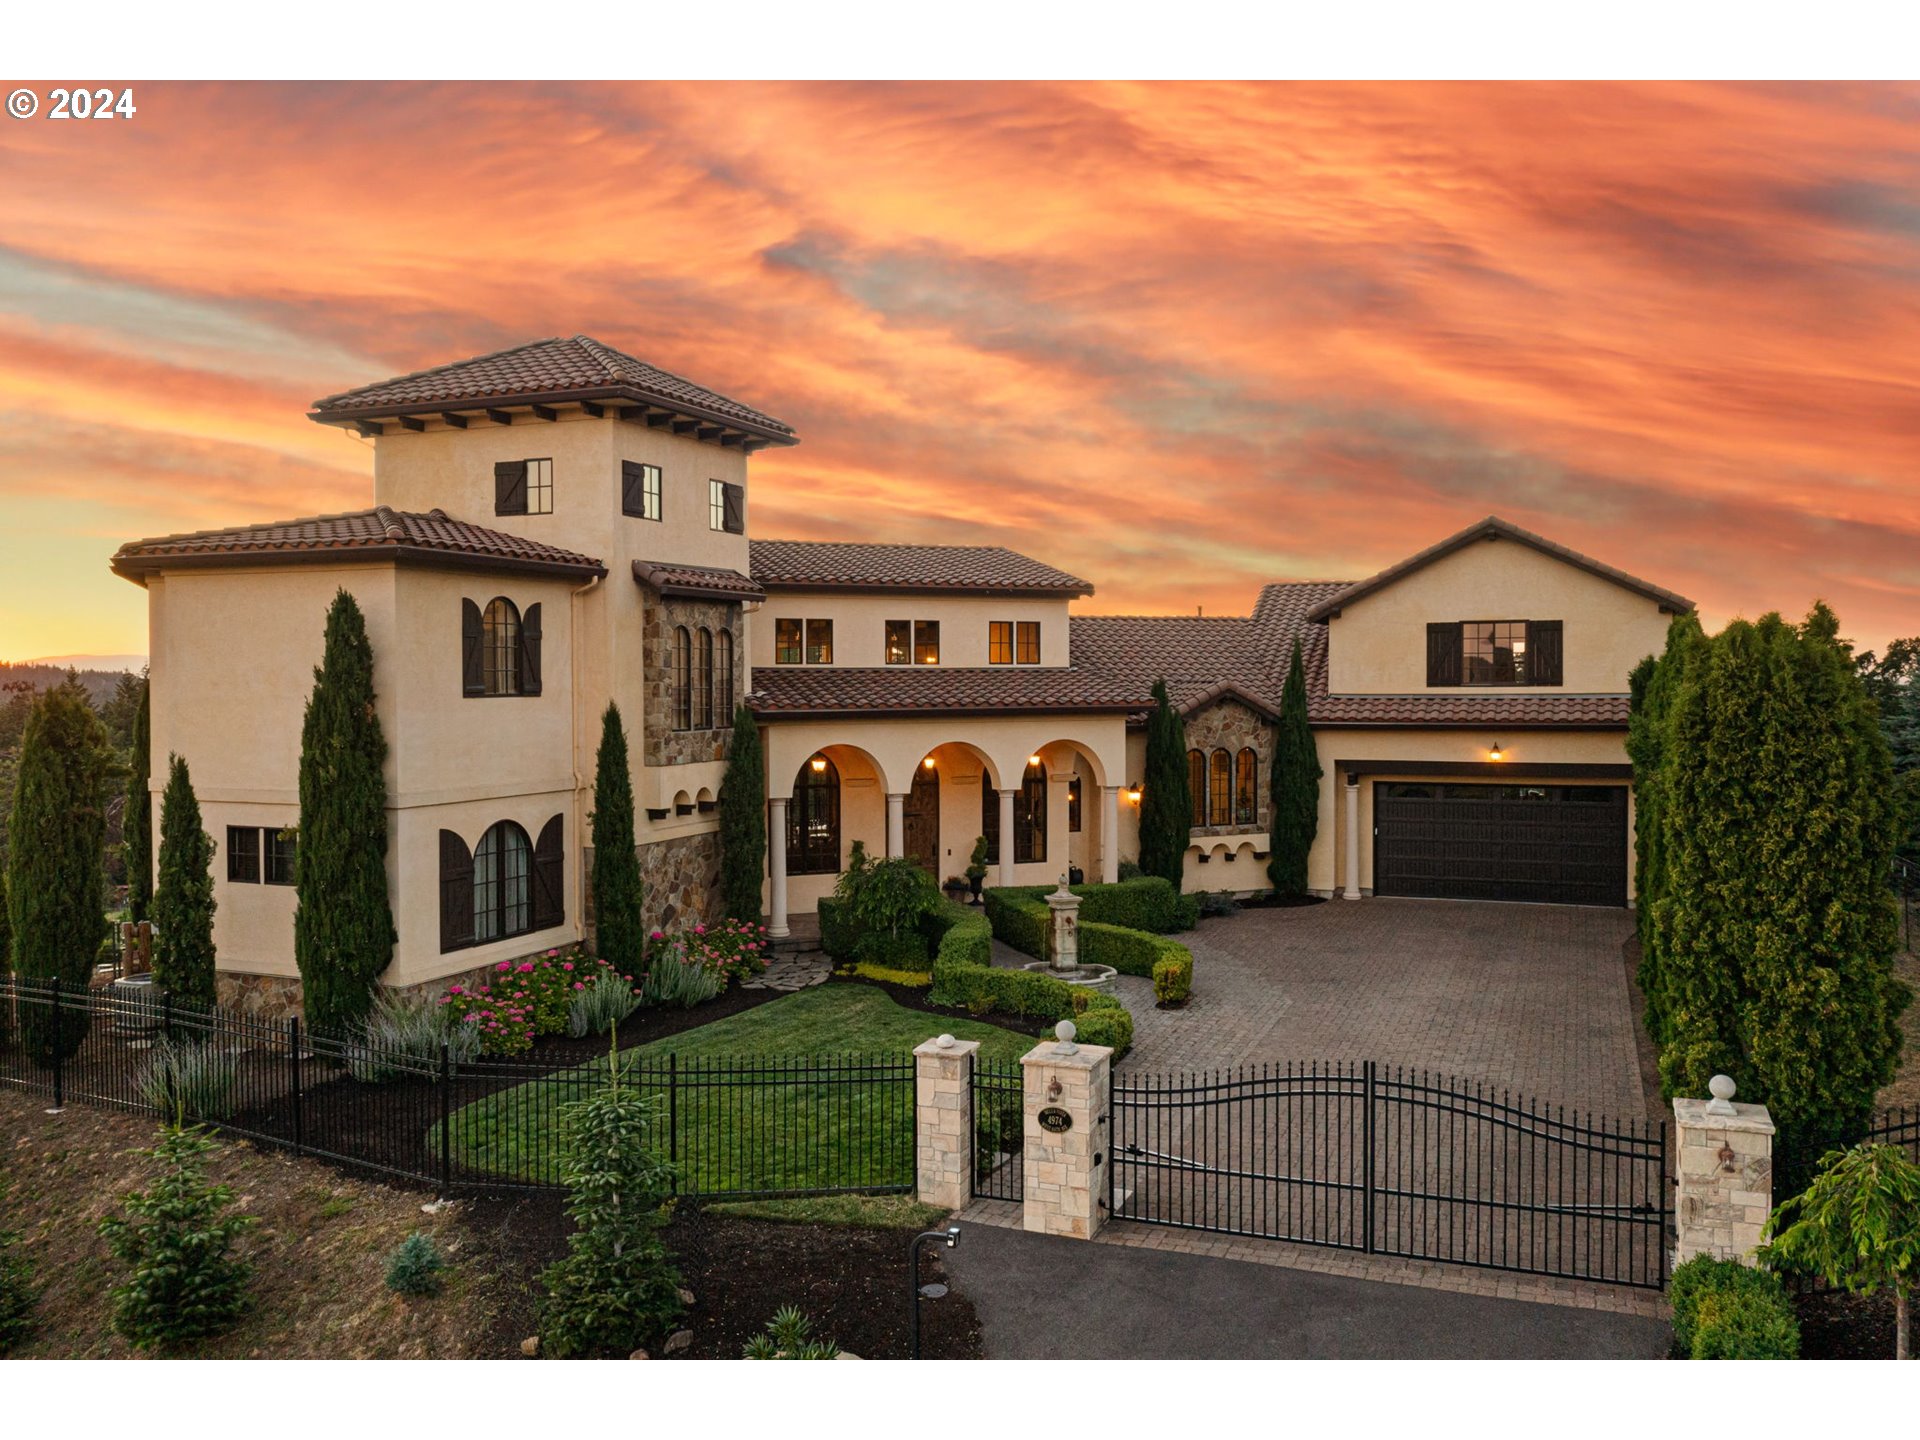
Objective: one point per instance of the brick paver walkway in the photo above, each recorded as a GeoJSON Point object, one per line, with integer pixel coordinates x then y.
{"type": "Point", "coordinates": [1532, 997]}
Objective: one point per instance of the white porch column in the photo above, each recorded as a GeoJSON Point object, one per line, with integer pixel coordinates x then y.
{"type": "Point", "coordinates": [1006, 837]}
{"type": "Point", "coordinates": [777, 868]}
{"type": "Point", "coordinates": [896, 826]}
{"type": "Point", "coordinates": [1352, 892]}
{"type": "Point", "coordinates": [1109, 833]}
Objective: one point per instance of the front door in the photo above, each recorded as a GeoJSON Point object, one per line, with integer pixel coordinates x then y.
{"type": "Point", "coordinates": [922, 816]}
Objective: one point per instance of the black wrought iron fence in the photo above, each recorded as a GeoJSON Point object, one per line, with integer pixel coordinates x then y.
{"type": "Point", "coordinates": [999, 1130]}
{"type": "Point", "coordinates": [734, 1127]}
{"type": "Point", "coordinates": [1906, 888]}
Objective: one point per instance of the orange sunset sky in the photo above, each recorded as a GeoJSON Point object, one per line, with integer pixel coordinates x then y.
{"type": "Point", "coordinates": [1178, 339]}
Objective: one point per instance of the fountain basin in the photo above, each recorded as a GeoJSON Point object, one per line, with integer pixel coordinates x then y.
{"type": "Point", "coordinates": [1090, 977]}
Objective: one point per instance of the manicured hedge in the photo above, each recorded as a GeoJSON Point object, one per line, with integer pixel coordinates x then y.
{"type": "Point", "coordinates": [1723, 1310]}
{"type": "Point", "coordinates": [1131, 952]}
{"type": "Point", "coordinates": [964, 975]}
{"type": "Point", "coordinates": [1148, 903]}
{"type": "Point", "coordinates": [1020, 918]}
{"type": "Point", "coordinates": [839, 931]}
{"type": "Point", "coordinates": [1173, 980]}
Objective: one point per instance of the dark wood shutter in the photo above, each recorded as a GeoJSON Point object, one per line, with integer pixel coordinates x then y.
{"type": "Point", "coordinates": [473, 680]}
{"type": "Point", "coordinates": [1443, 653]}
{"type": "Point", "coordinates": [549, 877]}
{"type": "Point", "coordinates": [1545, 652]}
{"type": "Point", "coordinates": [510, 487]}
{"type": "Point", "coordinates": [530, 651]}
{"type": "Point", "coordinates": [456, 893]}
{"type": "Point", "coordinates": [633, 489]}
{"type": "Point", "coordinates": [734, 504]}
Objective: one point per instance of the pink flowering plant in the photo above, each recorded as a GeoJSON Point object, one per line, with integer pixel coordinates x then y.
{"type": "Point", "coordinates": [516, 1000]}
{"type": "Point", "coordinates": [555, 978]}
{"type": "Point", "coordinates": [730, 950]}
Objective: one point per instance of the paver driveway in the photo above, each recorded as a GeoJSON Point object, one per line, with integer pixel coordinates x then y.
{"type": "Point", "coordinates": [1533, 997]}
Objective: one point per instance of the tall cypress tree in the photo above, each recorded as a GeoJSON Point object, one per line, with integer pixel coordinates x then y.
{"type": "Point", "coordinates": [743, 822]}
{"type": "Point", "coordinates": [137, 827]}
{"type": "Point", "coordinates": [1166, 804]}
{"type": "Point", "coordinates": [620, 932]}
{"type": "Point", "coordinates": [183, 901]}
{"type": "Point", "coordinates": [343, 933]}
{"type": "Point", "coordinates": [1775, 926]}
{"type": "Point", "coordinates": [1652, 688]}
{"type": "Point", "coordinates": [1295, 785]}
{"type": "Point", "coordinates": [55, 864]}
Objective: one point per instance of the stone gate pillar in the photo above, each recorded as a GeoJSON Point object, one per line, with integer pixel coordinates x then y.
{"type": "Point", "coordinates": [1068, 1135]}
{"type": "Point", "coordinates": [943, 1121]}
{"type": "Point", "coordinates": [1725, 1174]}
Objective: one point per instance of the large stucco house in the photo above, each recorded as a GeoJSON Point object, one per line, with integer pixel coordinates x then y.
{"type": "Point", "coordinates": [559, 525]}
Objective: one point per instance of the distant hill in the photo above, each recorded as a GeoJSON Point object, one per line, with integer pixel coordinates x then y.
{"type": "Point", "coordinates": [135, 663]}
{"type": "Point", "coordinates": [99, 684]}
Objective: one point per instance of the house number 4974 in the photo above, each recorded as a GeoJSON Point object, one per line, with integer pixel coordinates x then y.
{"type": "Point", "coordinates": [85, 104]}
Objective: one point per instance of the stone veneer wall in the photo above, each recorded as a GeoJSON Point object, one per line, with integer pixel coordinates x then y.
{"type": "Point", "coordinates": [276, 997]}
{"type": "Point", "coordinates": [661, 744]}
{"type": "Point", "coordinates": [1228, 724]}
{"type": "Point", "coordinates": [680, 881]}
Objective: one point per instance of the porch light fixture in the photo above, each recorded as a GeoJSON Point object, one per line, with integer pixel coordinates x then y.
{"type": "Point", "coordinates": [1496, 753]}
{"type": "Point", "coordinates": [927, 764]}
{"type": "Point", "coordinates": [1133, 793]}
{"type": "Point", "coordinates": [819, 764]}
{"type": "Point", "coordinates": [1033, 762]}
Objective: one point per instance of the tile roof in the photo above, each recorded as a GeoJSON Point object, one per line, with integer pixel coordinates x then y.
{"type": "Point", "coordinates": [701, 582]}
{"type": "Point", "coordinates": [544, 370]}
{"type": "Point", "coordinates": [1494, 528]}
{"type": "Point", "coordinates": [816, 690]}
{"type": "Point", "coordinates": [381, 533]}
{"type": "Point", "coordinates": [849, 565]}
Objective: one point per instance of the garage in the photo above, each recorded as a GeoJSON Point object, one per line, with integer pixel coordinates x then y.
{"type": "Point", "coordinates": [1543, 844]}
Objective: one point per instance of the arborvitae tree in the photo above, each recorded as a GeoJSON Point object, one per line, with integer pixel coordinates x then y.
{"type": "Point", "coordinates": [183, 902]}
{"type": "Point", "coordinates": [743, 822]}
{"type": "Point", "coordinates": [1652, 687]}
{"type": "Point", "coordinates": [1774, 924]}
{"type": "Point", "coordinates": [1166, 805]}
{"type": "Point", "coordinates": [137, 826]}
{"type": "Point", "coordinates": [620, 933]}
{"type": "Point", "coordinates": [1294, 816]}
{"type": "Point", "coordinates": [54, 864]}
{"type": "Point", "coordinates": [343, 927]}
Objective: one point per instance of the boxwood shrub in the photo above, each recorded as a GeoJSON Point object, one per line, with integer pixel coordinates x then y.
{"type": "Point", "coordinates": [1148, 903]}
{"type": "Point", "coordinates": [1723, 1310]}
{"type": "Point", "coordinates": [1173, 980]}
{"type": "Point", "coordinates": [964, 975]}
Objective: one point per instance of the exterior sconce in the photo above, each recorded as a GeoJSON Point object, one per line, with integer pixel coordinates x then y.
{"type": "Point", "coordinates": [1133, 793]}
{"type": "Point", "coordinates": [927, 764]}
{"type": "Point", "coordinates": [819, 764]}
{"type": "Point", "coordinates": [1496, 753]}
{"type": "Point", "coordinates": [1033, 762]}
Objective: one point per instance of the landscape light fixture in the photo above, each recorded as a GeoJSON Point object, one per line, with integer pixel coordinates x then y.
{"type": "Point", "coordinates": [933, 1292]}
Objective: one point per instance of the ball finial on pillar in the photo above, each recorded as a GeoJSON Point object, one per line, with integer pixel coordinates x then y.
{"type": "Point", "coordinates": [1064, 1033]}
{"type": "Point", "coordinates": [1722, 1088]}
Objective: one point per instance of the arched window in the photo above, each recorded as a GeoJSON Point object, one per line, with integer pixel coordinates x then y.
{"type": "Point", "coordinates": [682, 679]}
{"type": "Point", "coordinates": [502, 884]}
{"type": "Point", "coordinates": [500, 647]}
{"type": "Point", "coordinates": [1220, 789]}
{"type": "Point", "coordinates": [1246, 797]}
{"type": "Point", "coordinates": [1197, 785]}
{"type": "Point", "coordinates": [703, 677]}
{"type": "Point", "coordinates": [1030, 817]}
{"type": "Point", "coordinates": [723, 677]}
{"type": "Point", "coordinates": [813, 820]}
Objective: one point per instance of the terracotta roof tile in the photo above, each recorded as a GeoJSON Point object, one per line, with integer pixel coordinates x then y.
{"type": "Point", "coordinates": [702, 582]}
{"type": "Point", "coordinates": [581, 367]}
{"type": "Point", "coordinates": [376, 534]}
{"type": "Point", "coordinates": [849, 565]}
{"type": "Point", "coordinates": [907, 689]}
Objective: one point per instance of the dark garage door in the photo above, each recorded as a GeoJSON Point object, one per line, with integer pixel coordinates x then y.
{"type": "Point", "coordinates": [1550, 844]}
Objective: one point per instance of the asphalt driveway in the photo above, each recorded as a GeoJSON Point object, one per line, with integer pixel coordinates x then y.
{"type": "Point", "coordinates": [1040, 1297]}
{"type": "Point", "coordinates": [1532, 997]}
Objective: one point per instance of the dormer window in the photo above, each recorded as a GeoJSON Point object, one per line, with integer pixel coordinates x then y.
{"type": "Point", "coordinates": [1494, 652]}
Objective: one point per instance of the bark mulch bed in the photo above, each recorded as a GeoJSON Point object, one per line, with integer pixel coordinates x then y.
{"type": "Point", "coordinates": [850, 1280]}
{"type": "Point", "coordinates": [1837, 1326]}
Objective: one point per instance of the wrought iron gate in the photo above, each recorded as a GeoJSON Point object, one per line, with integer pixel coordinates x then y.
{"type": "Point", "coordinates": [1394, 1162]}
{"type": "Point", "coordinates": [999, 1144]}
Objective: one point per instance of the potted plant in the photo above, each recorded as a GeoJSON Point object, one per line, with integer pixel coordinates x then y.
{"type": "Point", "coordinates": [977, 867]}
{"type": "Point", "coordinates": [955, 887]}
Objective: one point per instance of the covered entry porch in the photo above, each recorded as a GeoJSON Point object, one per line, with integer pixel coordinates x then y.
{"type": "Point", "coordinates": [1044, 792]}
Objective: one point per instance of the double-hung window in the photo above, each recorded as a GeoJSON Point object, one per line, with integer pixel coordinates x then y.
{"type": "Point", "coordinates": [1000, 642]}
{"type": "Point", "coordinates": [899, 642]}
{"type": "Point", "coordinates": [1029, 651]}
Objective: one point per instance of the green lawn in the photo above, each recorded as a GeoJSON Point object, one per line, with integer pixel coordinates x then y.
{"type": "Point", "coordinates": [738, 1133]}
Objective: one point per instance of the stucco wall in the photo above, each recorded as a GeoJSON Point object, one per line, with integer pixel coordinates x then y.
{"type": "Point", "coordinates": [860, 624]}
{"type": "Point", "coordinates": [1378, 645]}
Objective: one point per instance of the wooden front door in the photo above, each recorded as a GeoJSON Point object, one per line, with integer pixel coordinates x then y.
{"type": "Point", "coordinates": [922, 817]}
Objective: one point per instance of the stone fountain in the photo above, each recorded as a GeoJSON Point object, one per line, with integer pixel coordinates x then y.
{"type": "Point", "coordinates": [1063, 962]}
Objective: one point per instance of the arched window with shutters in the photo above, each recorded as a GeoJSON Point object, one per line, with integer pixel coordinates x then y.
{"type": "Point", "coordinates": [1030, 817]}
{"type": "Point", "coordinates": [682, 679]}
{"type": "Point", "coordinates": [500, 648]}
{"type": "Point", "coordinates": [1197, 786]}
{"type": "Point", "coordinates": [504, 886]}
{"type": "Point", "coordinates": [703, 678]}
{"type": "Point", "coordinates": [813, 820]}
{"type": "Point", "coordinates": [1220, 788]}
{"type": "Point", "coordinates": [1246, 793]}
{"type": "Point", "coordinates": [723, 678]}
